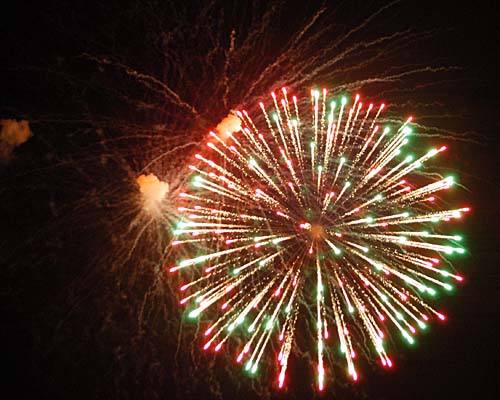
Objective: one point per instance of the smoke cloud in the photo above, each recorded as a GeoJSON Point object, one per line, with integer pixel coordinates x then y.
{"type": "Point", "coordinates": [13, 134]}
{"type": "Point", "coordinates": [153, 191]}
{"type": "Point", "coordinates": [229, 124]}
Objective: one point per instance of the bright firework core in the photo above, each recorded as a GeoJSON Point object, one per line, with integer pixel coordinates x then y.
{"type": "Point", "coordinates": [316, 232]}
{"type": "Point", "coordinates": [329, 191]}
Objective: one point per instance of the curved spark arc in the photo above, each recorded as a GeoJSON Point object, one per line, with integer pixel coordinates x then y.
{"type": "Point", "coordinates": [314, 210]}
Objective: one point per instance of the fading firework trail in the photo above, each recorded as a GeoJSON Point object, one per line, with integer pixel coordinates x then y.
{"type": "Point", "coordinates": [320, 212]}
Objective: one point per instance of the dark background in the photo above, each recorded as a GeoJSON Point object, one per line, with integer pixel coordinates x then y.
{"type": "Point", "coordinates": [45, 273]}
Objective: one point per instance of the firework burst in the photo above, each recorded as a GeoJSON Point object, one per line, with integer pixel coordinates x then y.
{"type": "Point", "coordinates": [324, 215]}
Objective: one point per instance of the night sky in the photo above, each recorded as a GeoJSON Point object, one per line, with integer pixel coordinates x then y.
{"type": "Point", "coordinates": [80, 317]}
